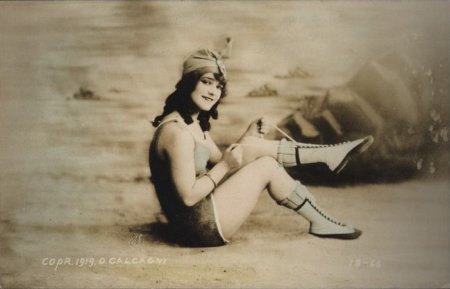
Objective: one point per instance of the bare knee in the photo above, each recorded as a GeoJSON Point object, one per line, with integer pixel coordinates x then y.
{"type": "Point", "coordinates": [251, 149]}
{"type": "Point", "coordinates": [265, 165]}
{"type": "Point", "coordinates": [274, 177]}
{"type": "Point", "coordinates": [268, 161]}
{"type": "Point", "coordinates": [250, 140]}
{"type": "Point", "coordinates": [254, 148]}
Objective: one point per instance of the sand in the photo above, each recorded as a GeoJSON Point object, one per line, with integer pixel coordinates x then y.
{"type": "Point", "coordinates": [76, 206]}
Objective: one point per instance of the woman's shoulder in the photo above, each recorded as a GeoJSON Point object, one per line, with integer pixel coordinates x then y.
{"type": "Point", "coordinates": [172, 132]}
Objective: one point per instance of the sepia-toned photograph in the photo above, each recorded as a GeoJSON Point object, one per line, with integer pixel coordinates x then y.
{"type": "Point", "coordinates": [224, 144]}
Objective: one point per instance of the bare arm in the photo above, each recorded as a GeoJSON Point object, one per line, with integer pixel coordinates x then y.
{"type": "Point", "coordinates": [257, 128]}
{"type": "Point", "coordinates": [216, 154]}
{"type": "Point", "coordinates": [179, 148]}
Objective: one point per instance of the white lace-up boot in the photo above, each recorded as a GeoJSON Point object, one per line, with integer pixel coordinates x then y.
{"type": "Point", "coordinates": [335, 156]}
{"type": "Point", "coordinates": [321, 224]}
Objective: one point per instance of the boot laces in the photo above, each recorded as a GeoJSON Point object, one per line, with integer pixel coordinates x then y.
{"type": "Point", "coordinates": [325, 216]}
{"type": "Point", "coordinates": [303, 145]}
{"type": "Point", "coordinates": [310, 146]}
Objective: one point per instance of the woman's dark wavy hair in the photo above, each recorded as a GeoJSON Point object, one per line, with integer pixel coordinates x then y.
{"type": "Point", "coordinates": [180, 100]}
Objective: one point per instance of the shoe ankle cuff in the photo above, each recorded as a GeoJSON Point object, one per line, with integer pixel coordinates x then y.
{"type": "Point", "coordinates": [297, 198]}
{"type": "Point", "coordinates": [286, 153]}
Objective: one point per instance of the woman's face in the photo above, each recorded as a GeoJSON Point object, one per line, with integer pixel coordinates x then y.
{"type": "Point", "coordinates": [207, 92]}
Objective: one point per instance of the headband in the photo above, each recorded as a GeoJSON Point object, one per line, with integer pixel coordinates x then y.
{"type": "Point", "coordinates": [204, 60]}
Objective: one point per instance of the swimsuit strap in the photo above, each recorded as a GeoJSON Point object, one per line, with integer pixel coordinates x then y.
{"type": "Point", "coordinates": [166, 121]}
{"type": "Point", "coordinates": [182, 122]}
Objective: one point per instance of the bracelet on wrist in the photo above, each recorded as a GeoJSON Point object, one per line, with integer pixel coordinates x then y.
{"type": "Point", "coordinates": [212, 180]}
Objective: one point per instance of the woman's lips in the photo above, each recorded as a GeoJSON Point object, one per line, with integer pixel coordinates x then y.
{"type": "Point", "coordinates": [208, 98]}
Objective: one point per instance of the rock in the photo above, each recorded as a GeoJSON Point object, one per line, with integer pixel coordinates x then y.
{"type": "Point", "coordinates": [85, 94]}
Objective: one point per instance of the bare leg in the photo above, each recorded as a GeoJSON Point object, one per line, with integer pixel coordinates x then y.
{"type": "Point", "coordinates": [237, 196]}
{"type": "Point", "coordinates": [257, 147]}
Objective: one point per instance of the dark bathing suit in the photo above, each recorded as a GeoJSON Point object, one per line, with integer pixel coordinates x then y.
{"type": "Point", "coordinates": [197, 225]}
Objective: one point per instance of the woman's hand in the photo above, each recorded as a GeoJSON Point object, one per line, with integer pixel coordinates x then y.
{"type": "Point", "coordinates": [258, 127]}
{"type": "Point", "coordinates": [233, 156]}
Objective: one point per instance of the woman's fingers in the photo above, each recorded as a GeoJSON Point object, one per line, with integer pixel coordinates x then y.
{"type": "Point", "coordinates": [237, 153]}
{"type": "Point", "coordinates": [232, 147]}
{"type": "Point", "coordinates": [259, 127]}
{"type": "Point", "coordinates": [233, 156]}
{"type": "Point", "coordinates": [263, 125]}
{"type": "Point", "coordinates": [264, 129]}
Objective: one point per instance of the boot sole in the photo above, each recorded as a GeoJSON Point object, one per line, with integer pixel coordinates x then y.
{"type": "Point", "coordinates": [363, 146]}
{"type": "Point", "coordinates": [350, 236]}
